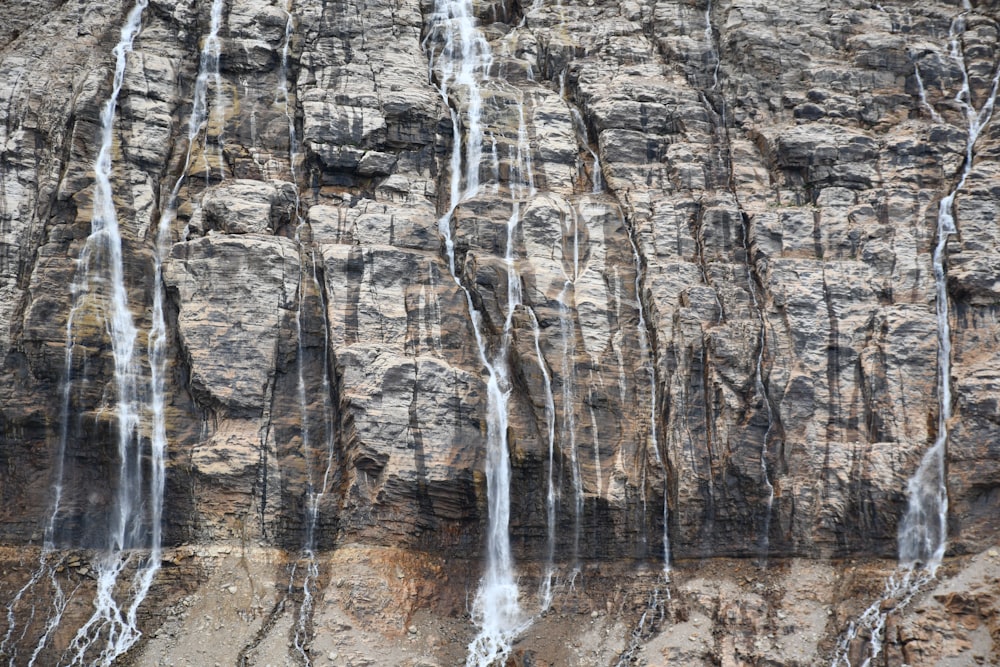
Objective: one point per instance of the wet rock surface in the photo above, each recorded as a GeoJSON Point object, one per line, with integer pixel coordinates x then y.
{"type": "Point", "coordinates": [726, 319]}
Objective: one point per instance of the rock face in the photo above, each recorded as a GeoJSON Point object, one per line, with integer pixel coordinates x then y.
{"type": "Point", "coordinates": [726, 333]}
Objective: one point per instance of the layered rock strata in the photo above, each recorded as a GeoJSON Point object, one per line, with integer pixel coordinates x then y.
{"type": "Point", "coordinates": [727, 310]}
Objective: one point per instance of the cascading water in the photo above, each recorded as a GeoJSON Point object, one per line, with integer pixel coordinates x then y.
{"type": "Point", "coordinates": [652, 616]}
{"type": "Point", "coordinates": [656, 607]}
{"type": "Point", "coordinates": [597, 187]}
{"type": "Point", "coordinates": [583, 138]}
{"type": "Point", "coordinates": [112, 628]}
{"type": "Point", "coordinates": [922, 536]}
{"type": "Point", "coordinates": [710, 40]}
{"type": "Point", "coordinates": [761, 388]}
{"type": "Point", "coordinates": [208, 67]}
{"type": "Point", "coordinates": [545, 592]}
{"type": "Point", "coordinates": [647, 355]}
{"type": "Point", "coordinates": [568, 372]}
{"type": "Point", "coordinates": [211, 52]}
{"type": "Point", "coordinates": [308, 280]}
{"type": "Point", "coordinates": [459, 61]}
{"type": "Point", "coordinates": [922, 532]}
{"type": "Point", "coordinates": [157, 344]}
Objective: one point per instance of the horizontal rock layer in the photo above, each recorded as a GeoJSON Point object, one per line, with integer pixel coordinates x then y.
{"type": "Point", "coordinates": [727, 317]}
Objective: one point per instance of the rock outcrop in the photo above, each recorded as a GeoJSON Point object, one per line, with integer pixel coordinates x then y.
{"type": "Point", "coordinates": [725, 335]}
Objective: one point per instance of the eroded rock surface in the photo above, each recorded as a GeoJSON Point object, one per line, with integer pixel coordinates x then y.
{"type": "Point", "coordinates": [725, 333]}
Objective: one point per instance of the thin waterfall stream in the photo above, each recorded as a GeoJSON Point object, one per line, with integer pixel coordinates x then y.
{"type": "Point", "coordinates": [545, 589]}
{"type": "Point", "coordinates": [316, 489]}
{"type": "Point", "coordinates": [922, 536]}
{"type": "Point", "coordinates": [760, 386]}
{"type": "Point", "coordinates": [647, 354]}
{"type": "Point", "coordinates": [642, 329]}
{"type": "Point", "coordinates": [118, 626]}
{"type": "Point", "coordinates": [112, 627]}
{"type": "Point", "coordinates": [492, 334]}
{"type": "Point", "coordinates": [460, 58]}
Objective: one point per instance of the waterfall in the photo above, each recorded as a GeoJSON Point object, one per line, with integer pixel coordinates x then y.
{"type": "Point", "coordinates": [545, 592]}
{"type": "Point", "coordinates": [647, 354]}
{"type": "Point", "coordinates": [922, 536]}
{"type": "Point", "coordinates": [460, 57]}
{"type": "Point", "coordinates": [583, 138]}
{"type": "Point", "coordinates": [113, 621]}
{"type": "Point", "coordinates": [760, 387]}
{"type": "Point", "coordinates": [110, 621]}
{"type": "Point", "coordinates": [597, 187]}
{"type": "Point", "coordinates": [208, 66]}
{"type": "Point", "coordinates": [567, 332]}
{"type": "Point", "coordinates": [157, 344]}
{"type": "Point", "coordinates": [923, 530]}
{"type": "Point", "coordinates": [710, 40]}
{"type": "Point", "coordinates": [496, 607]}
{"type": "Point", "coordinates": [211, 51]}
{"type": "Point", "coordinates": [652, 616]}
{"type": "Point", "coordinates": [308, 279]}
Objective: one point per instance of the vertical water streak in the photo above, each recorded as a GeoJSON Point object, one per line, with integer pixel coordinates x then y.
{"type": "Point", "coordinates": [583, 138]}
{"type": "Point", "coordinates": [567, 332]}
{"type": "Point", "coordinates": [315, 489]}
{"type": "Point", "coordinates": [109, 623]}
{"type": "Point", "coordinates": [923, 530]}
{"type": "Point", "coordinates": [710, 40]}
{"type": "Point", "coordinates": [208, 64]}
{"type": "Point", "coordinates": [923, 95]}
{"type": "Point", "coordinates": [599, 481]}
{"type": "Point", "coordinates": [211, 52]}
{"type": "Point", "coordinates": [646, 352]}
{"type": "Point", "coordinates": [922, 536]}
{"type": "Point", "coordinates": [568, 435]}
{"type": "Point", "coordinates": [308, 279]}
{"type": "Point", "coordinates": [157, 342]}
{"type": "Point", "coordinates": [760, 387]}
{"type": "Point", "coordinates": [463, 62]}
{"type": "Point", "coordinates": [550, 492]}
{"type": "Point", "coordinates": [120, 327]}
{"type": "Point", "coordinates": [647, 355]}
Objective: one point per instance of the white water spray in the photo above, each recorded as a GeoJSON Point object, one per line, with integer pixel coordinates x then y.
{"type": "Point", "coordinates": [922, 537]}
{"type": "Point", "coordinates": [112, 628]}
{"type": "Point", "coordinates": [119, 626]}
{"type": "Point", "coordinates": [923, 530]}
{"type": "Point", "coordinates": [460, 58]}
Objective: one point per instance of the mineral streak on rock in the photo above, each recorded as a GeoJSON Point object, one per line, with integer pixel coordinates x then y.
{"type": "Point", "coordinates": [780, 170]}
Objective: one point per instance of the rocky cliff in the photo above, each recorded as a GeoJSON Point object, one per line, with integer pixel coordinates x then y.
{"type": "Point", "coordinates": [678, 257]}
